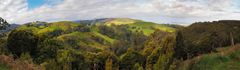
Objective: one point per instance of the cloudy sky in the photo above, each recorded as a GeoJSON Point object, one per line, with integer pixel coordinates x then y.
{"type": "Point", "coordinates": [160, 11]}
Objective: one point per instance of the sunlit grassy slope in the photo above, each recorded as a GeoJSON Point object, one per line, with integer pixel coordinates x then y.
{"type": "Point", "coordinates": [148, 27]}
{"type": "Point", "coordinates": [120, 21]}
{"type": "Point", "coordinates": [139, 25]}
{"type": "Point", "coordinates": [225, 59]}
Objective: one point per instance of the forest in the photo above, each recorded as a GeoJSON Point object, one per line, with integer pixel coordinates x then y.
{"type": "Point", "coordinates": [120, 44]}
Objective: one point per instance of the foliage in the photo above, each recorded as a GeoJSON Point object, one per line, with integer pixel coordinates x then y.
{"type": "Point", "coordinates": [204, 37]}
{"type": "Point", "coordinates": [159, 50]}
{"type": "Point", "coordinates": [137, 66]}
{"type": "Point", "coordinates": [129, 59]}
{"type": "Point", "coordinates": [3, 24]}
{"type": "Point", "coordinates": [22, 41]}
{"type": "Point", "coordinates": [68, 45]}
{"type": "Point", "coordinates": [109, 64]}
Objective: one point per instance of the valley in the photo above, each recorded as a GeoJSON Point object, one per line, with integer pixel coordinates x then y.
{"type": "Point", "coordinates": [121, 44]}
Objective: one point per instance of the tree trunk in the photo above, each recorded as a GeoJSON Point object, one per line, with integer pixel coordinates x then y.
{"type": "Point", "coordinates": [232, 40]}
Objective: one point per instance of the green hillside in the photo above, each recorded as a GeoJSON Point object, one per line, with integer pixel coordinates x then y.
{"type": "Point", "coordinates": [122, 44]}
{"type": "Point", "coordinates": [204, 37]}
{"type": "Point", "coordinates": [66, 31]}
{"type": "Point", "coordinates": [225, 59]}
{"type": "Point", "coordinates": [118, 43]}
{"type": "Point", "coordinates": [120, 21]}
{"type": "Point", "coordinates": [149, 27]}
{"type": "Point", "coordinates": [206, 46]}
{"type": "Point", "coordinates": [138, 25]}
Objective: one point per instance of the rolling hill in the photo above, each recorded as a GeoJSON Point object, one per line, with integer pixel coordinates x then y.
{"type": "Point", "coordinates": [209, 46]}
{"type": "Point", "coordinates": [122, 44]}
{"type": "Point", "coordinates": [131, 24]}
{"type": "Point", "coordinates": [85, 42]}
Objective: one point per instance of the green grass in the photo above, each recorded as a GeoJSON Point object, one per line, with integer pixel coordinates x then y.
{"type": "Point", "coordinates": [95, 31]}
{"type": "Point", "coordinates": [120, 21]}
{"type": "Point", "coordinates": [148, 27]}
{"type": "Point", "coordinates": [47, 30]}
{"type": "Point", "coordinates": [210, 62]}
{"type": "Point", "coordinates": [228, 58]}
{"type": "Point", "coordinates": [219, 62]}
{"type": "Point", "coordinates": [110, 40]}
{"type": "Point", "coordinates": [3, 67]}
{"type": "Point", "coordinates": [139, 25]}
{"type": "Point", "coordinates": [83, 39]}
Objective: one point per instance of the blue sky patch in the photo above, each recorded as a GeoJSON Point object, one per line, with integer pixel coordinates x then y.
{"type": "Point", "coordinates": [35, 3]}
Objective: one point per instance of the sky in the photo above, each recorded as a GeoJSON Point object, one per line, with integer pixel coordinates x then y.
{"type": "Point", "coordinates": [35, 3]}
{"type": "Point", "coordinates": [159, 11]}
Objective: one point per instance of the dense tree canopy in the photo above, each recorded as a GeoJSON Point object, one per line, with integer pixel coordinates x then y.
{"type": "Point", "coordinates": [205, 37]}
{"type": "Point", "coordinates": [22, 41]}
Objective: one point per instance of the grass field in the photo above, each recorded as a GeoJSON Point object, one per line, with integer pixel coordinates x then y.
{"type": "Point", "coordinates": [3, 67]}
{"type": "Point", "coordinates": [148, 27]}
{"type": "Point", "coordinates": [227, 58]}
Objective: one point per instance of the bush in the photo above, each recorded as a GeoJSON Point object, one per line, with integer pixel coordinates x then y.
{"type": "Point", "coordinates": [22, 41]}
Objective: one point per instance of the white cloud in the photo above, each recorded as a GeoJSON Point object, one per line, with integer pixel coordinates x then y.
{"type": "Point", "coordinates": [12, 8]}
{"type": "Point", "coordinates": [191, 8]}
{"type": "Point", "coordinates": [167, 11]}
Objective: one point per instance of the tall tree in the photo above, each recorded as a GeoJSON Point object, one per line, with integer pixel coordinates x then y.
{"type": "Point", "coordinates": [3, 24]}
{"type": "Point", "coordinates": [22, 41]}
